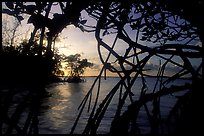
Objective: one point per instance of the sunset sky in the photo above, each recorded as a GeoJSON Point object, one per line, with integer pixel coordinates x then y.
{"type": "Point", "coordinates": [73, 40]}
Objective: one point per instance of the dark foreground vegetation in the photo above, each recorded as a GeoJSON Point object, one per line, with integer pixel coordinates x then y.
{"type": "Point", "coordinates": [19, 69]}
{"type": "Point", "coordinates": [171, 31]}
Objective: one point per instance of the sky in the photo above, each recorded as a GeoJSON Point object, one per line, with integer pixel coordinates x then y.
{"type": "Point", "coordinates": [73, 40]}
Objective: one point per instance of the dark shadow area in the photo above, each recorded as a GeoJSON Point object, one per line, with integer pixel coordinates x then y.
{"type": "Point", "coordinates": [24, 70]}
{"type": "Point", "coordinates": [22, 89]}
{"type": "Point", "coordinates": [166, 30]}
{"type": "Point", "coordinates": [20, 108]}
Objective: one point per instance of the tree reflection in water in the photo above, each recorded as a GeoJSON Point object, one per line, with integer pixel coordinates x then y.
{"type": "Point", "coordinates": [20, 110]}
{"type": "Point", "coordinates": [59, 111]}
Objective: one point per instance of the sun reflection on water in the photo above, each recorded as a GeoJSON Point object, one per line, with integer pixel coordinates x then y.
{"type": "Point", "coordinates": [62, 105]}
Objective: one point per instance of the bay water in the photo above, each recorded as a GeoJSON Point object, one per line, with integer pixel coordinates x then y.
{"type": "Point", "coordinates": [59, 111]}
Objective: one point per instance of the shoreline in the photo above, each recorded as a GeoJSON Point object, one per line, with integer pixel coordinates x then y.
{"type": "Point", "coordinates": [186, 78]}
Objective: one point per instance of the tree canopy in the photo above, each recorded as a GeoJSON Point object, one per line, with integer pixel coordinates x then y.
{"type": "Point", "coordinates": [76, 65]}
{"type": "Point", "coordinates": [166, 29]}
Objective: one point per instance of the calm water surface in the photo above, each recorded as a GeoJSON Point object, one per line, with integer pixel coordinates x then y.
{"type": "Point", "coordinates": [59, 111]}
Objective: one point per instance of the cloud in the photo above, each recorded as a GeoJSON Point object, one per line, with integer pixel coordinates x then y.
{"type": "Point", "coordinates": [96, 66]}
{"type": "Point", "coordinates": [170, 69]}
{"type": "Point", "coordinates": [151, 66]}
{"type": "Point", "coordinates": [152, 69]}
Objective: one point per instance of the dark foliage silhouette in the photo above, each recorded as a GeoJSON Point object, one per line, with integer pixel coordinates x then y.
{"type": "Point", "coordinates": [173, 36]}
{"type": "Point", "coordinates": [76, 67]}
{"type": "Point", "coordinates": [170, 29]}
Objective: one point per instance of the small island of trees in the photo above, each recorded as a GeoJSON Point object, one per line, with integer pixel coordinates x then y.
{"type": "Point", "coordinates": [28, 58]}
{"type": "Point", "coordinates": [75, 67]}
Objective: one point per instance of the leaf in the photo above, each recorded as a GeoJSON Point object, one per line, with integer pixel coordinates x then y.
{"type": "Point", "coordinates": [30, 20]}
{"type": "Point", "coordinates": [145, 34]}
{"type": "Point", "coordinates": [145, 29]}
{"type": "Point", "coordinates": [167, 32]}
{"type": "Point", "coordinates": [133, 26]}
{"type": "Point", "coordinates": [20, 18]}
{"type": "Point", "coordinates": [143, 38]}
{"type": "Point", "coordinates": [105, 33]}
{"type": "Point", "coordinates": [9, 5]}
{"type": "Point", "coordinates": [81, 28]}
{"type": "Point", "coordinates": [7, 11]}
{"type": "Point", "coordinates": [138, 23]}
{"type": "Point", "coordinates": [31, 8]}
{"type": "Point", "coordinates": [40, 5]}
{"type": "Point", "coordinates": [155, 41]}
{"type": "Point", "coordinates": [83, 22]}
{"type": "Point", "coordinates": [130, 18]}
{"type": "Point", "coordinates": [19, 5]}
{"type": "Point", "coordinates": [146, 21]}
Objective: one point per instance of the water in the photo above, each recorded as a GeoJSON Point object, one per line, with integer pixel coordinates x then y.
{"type": "Point", "coordinates": [59, 111]}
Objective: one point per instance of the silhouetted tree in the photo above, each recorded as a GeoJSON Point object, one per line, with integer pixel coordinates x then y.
{"type": "Point", "coordinates": [9, 30]}
{"type": "Point", "coordinates": [70, 15]}
{"type": "Point", "coordinates": [170, 32]}
{"type": "Point", "coordinates": [76, 66]}
{"type": "Point", "coordinates": [171, 29]}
